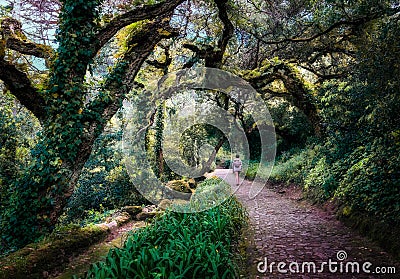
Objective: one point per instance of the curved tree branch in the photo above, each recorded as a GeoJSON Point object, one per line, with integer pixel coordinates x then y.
{"type": "Point", "coordinates": [20, 86]}
{"type": "Point", "coordinates": [213, 57]}
{"type": "Point", "coordinates": [14, 38]}
{"type": "Point", "coordinates": [141, 45]}
{"type": "Point", "coordinates": [162, 65]}
{"type": "Point", "coordinates": [227, 33]}
{"type": "Point", "coordinates": [132, 16]}
{"type": "Point", "coordinates": [323, 77]}
{"type": "Point", "coordinates": [99, 112]}
{"type": "Point", "coordinates": [30, 48]}
{"type": "Point", "coordinates": [301, 97]}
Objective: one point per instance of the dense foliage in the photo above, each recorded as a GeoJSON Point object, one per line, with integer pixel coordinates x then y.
{"type": "Point", "coordinates": [104, 183]}
{"type": "Point", "coordinates": [17, 136]}
{"type": "Point", "coordinates": [327, 70]}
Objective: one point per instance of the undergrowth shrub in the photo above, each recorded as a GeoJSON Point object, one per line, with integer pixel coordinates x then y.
{"type": "Point", "coordinates": [180, 245]}
{"type": "Point", "coordinates": [292, 166]}
{"type": "Point", "coordinates": [17, 137]}
{"type": "Point", "coordinates": [371, 183]}
{"type": "Point", "coordinates": [252, 169]}
{"type": "Point", "coordinates": [363, 176]}
{"type": "Point", "coordinates": [320, 182]}
{"type": "Point", "coordinates": [209, 193]}
{"type": "Point", "coordinates": [100, 192]}
{"type": "Point", "coordinates": [104, 183]}
{"type": "Point", "coordinates": [262, 171]}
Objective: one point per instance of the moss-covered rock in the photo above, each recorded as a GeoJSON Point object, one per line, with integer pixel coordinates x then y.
{"type": "Point", "coordinates": [133, 210]}
{"type": "Point", "coordinates": [164, 204]}
{"type": "Point", "coordinates": [37, 260]}
{"type": "Point", "coordinates": [180, 186]}
{"type": "Point", "coordinates": [146, 215]}
{"type": "Point", "coordinates": [122, 218]}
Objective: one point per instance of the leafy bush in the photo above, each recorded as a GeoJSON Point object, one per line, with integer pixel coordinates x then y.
{"type": "Point", "coordinates": [254, 168]}
{"type": "Point", "coordinates": [292, 122]}
{"type": "Point", "coordinates": [209, 193]}
{"type": "Point", "coordinates": [371, 182]}
{"type": "Point", "coordinates": [319, 182]}
{"type": "Point", "coordinates": [17, 137]}
{"type": "Point", "coordinates": [104, 183]}
{"type": "Point", "coordinates": [362, 175]}
{"type": "Point", "coordinates": [309, 167]}
{"type": "Point", "coordinates": [98, 191]}
{"type": "Point", "coordinates": [179, 245]}
{"type": "Point", "coordinates": [291, 166]}
{"type": "Point", "coordinates": [227, 164]}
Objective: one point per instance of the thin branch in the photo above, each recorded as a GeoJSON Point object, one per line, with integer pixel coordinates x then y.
{"type": "Point", "coordinates": [322, 77]}
{"type": "Point", "coordinates": [321, 51]}
{"type": "Point", "coordinates": [355, 22]}
{"type": "Point", "coordinates": [162, 65]}
{"type": "Point", "coordinates": [272, 94]}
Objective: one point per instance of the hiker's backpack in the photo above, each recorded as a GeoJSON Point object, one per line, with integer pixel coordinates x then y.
{"type": "Point", "coordinates": [237, 165]}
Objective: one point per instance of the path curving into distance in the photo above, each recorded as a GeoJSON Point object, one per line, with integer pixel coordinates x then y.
{"type": "Point", "coordinates": [289, 239]}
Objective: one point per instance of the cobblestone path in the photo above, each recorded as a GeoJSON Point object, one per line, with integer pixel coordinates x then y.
{"type": "Point", "coordinates": [289, 239]}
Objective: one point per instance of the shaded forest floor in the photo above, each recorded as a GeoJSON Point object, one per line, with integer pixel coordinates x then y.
{"type": "Point", "coordinates": [285, 228]}
{"type": "Point", "coordinates": [81, 263]}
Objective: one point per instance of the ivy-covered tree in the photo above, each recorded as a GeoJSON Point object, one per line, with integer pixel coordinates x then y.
{"type": "Point", "coordinates": [158, 138]}
{"type": "Point", "coordinates": [70, 123]}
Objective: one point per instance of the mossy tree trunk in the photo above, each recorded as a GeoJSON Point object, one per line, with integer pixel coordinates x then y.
{"type": "Point", "coordinates": [159, 130]}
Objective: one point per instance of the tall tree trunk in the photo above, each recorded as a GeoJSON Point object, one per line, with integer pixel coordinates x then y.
{"type": "Point", "coordinates": [207, 165]}
{"type": "Point", "coordinates": [160, 115]}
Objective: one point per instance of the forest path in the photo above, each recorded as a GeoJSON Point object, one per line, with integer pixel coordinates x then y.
{"type": "Point", "coordinates": [81, 263]}
{"type": "Point", "coordinates": [301, 235]}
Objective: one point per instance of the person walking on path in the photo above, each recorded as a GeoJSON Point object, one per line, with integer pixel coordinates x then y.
{"type": "Point", "coordinates": [237, 168]}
